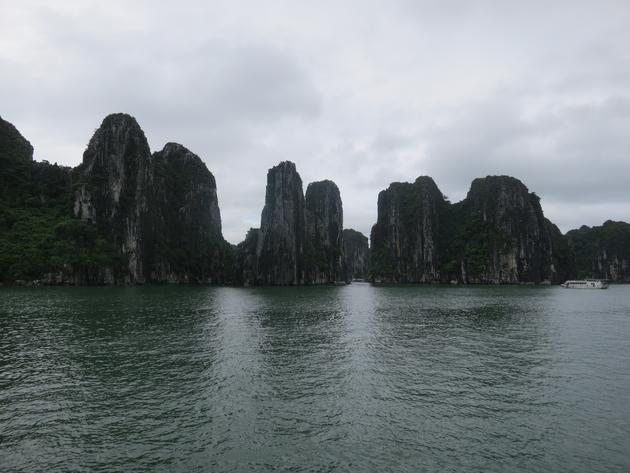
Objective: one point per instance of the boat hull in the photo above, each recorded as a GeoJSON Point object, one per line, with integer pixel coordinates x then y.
{"type": "Point", "coordinates": [585, 284]}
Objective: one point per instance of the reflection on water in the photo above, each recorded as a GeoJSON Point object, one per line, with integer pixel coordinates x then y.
{"type": "Point", "coordinates": [356, 378]}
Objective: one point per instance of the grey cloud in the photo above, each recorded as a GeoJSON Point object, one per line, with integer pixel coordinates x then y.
{"type": "Point", "coordinates": [577, 153]}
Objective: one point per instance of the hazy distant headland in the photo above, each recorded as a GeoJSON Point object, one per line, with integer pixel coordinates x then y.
{"type": "Point", "coordinates": [126, 215]}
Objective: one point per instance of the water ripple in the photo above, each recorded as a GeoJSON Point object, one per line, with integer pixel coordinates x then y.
{"type": "Point", "coordinates": [358, 378]}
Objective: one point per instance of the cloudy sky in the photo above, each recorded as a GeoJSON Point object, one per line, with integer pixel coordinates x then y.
{"type": "Point", "coordinates": [361, 92]}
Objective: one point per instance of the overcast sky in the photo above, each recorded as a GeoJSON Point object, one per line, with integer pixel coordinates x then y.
{"type": "Point", "coordinates": [361, 92]}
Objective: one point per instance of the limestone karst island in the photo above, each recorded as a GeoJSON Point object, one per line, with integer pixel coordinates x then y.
{"type": "Point", "coordinates": [127, 215]}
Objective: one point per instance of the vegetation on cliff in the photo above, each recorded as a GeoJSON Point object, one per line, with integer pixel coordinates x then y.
{"type": "Point", "coordinates": [39, 237]}
{"type": "Point", "coordinates": [128, 216]}
{"type": "Point", "coordinates": [16, 156]}
{"type": "Point", "coordinates": [602, 251]}
{"type": "Point", "coordinates": [41, 240]}
{"type": "Point", "coordinates": [498, 234]}
{"type": "Point", "coordinates": [121, 216]}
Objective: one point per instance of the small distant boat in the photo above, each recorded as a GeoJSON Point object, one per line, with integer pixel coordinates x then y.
{"type": "Point", "coordinates": [586, 284]}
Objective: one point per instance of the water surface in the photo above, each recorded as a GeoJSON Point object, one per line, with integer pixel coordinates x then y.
{"type": "Point", "coordinates": [357, 378]}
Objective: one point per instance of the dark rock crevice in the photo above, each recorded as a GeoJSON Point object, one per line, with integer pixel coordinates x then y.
{"type": "Point", "coordinates": [356, 253]}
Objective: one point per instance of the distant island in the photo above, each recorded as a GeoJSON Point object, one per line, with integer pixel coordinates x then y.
{"type": "Point", "coordinates": [126, 215]}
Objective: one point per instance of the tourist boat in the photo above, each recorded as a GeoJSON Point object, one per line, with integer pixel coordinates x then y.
{"type": "Point", "coordinates": [586, 284]}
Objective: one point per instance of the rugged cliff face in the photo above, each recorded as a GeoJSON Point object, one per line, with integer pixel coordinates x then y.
{"type": "Point", "coordinates": [40, 241]}
{"type": "Point", "coordinates": [300, 240]}
{"type": "Point", "coordinates": [324, 259]}
{"type": "Point", "coordinates": [160, 211]}
{"type": "Point", "coordinates": [21, 177]}
{"type": "Point", "coordinates": [16, 155]}
{"type": "Point", "coordinates": [502, 236]}
{"type": "Point", "coordinates": [114, 186]}
{"type": "Point", "coordinates": [280, 250]}
{"type": "Point", "coordinates": [356, 252]}
{"type": "Point", "coordinates": [406, 236]}
{"type": "Point", "coordinates": [497, 235]}
{"type": "Point", "coordinates": [186, 221]}
{"type": "Point", "coordinates": [602, 252]}
{"type": "Point", "coordinates": [562, 255]}
{"type": "Point", "coordinates": [125, 215]}
{"type": "Point", "coordinates": [246, 272]}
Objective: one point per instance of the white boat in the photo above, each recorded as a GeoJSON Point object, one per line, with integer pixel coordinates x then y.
{"type": "Point", "coordinates": [586, 284]}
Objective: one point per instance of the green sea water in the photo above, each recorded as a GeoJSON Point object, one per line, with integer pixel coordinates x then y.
{"type": "Point", "coordinates": [356, 378]}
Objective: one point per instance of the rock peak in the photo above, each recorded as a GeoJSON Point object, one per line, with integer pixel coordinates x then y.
{"type": "Point", "coordinates": [172, 147]}
{"type": "Point", "coordinates": [497, 182]}
{"type": "Point", "coordinates": [280, 251]}
{"type": "Point", "coordinates": [324, 252]}
{"type": "Point", "coordinates": [119, 119]}
{"type": "Point", "coordinates": [178, 152]}
{"type": "Point", "coordinates": [322, 187]}
{"type": "Point", "coordinates": [425, 180]}
{"type": "Point", "coordinates": [119, 138]}
{"type": "Point", "coordinates": [285, 165]}
{"type": "Point", "coordinates": [16, 157]}
{"type": "Point", "coordinates": [160, 211]}
{"type": "Point", "coordinates": [12, 144]}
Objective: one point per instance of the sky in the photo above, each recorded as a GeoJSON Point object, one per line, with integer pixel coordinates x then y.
{"type": "Point", "coordinates": [364, 93]}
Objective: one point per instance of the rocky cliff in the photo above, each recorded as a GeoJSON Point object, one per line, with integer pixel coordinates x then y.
{"type": "Point", "coordinates": [406, 237]}
{"type": "Point", "coordinates": [280, 246]}
{"type": "Point", "coordinates": [126, 215]}
{"type": "Point", "coordinates": [246, 259]}
{"type": "Point", "coordinates": [300, 240]}
{"type": "Point", "coordinates": [324, 259]}
{"type": "Point", "coordinates": [160, 211]}
{"type": "Point", "coordinates": [602, 252]}
{"type": "Point", "coordinates": [40, 240]}
{"type": "Point", "coordinates": [16, 155]}
{"type": "Point", "coordinates": [356, 252]}
{"type": "Point", "coordinates": [562, 255]}
{"type": "Point", "coordinates": [114, 185]}
{"type": "Point", "coordinates": [502, 236]}
{"type": "Point", "coordinates": [188, 243]}
{"type": "Point", "coordinates": [497, 235]}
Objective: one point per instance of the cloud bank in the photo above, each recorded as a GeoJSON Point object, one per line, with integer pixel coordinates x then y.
{"type": "Point", "coordinates": [361, 92]}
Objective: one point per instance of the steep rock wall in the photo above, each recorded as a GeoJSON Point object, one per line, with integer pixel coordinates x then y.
{"type": "Point", "coordinates": [16, 156]}
{"type": "Point", "coordinates": [324, 251]}
{"type": "Point", "coordinates": [504, 235]}
{"type": "Point", "coordinates": [160, 211]}
{"type": "Point", "coordinates": [280, 246]}
{"type": "Point", "coordinates": [186, 220]}
{"type": "Point", "coordinates": [356, 252]}
{"type": "Point", "coordinates": [247, 259]}
{"type": "Point", "coordinates": [602, 252]}
{"type": "Point", "coordinates": [497, 235]}
{"type": "Point", "coordinates": [114, 186]}
{"type": "Point", "coordinates": [406, 235]}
